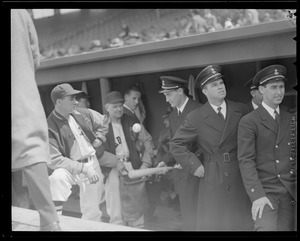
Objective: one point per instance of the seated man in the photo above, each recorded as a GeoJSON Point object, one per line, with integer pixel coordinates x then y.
{"type": "Point", "coordinates": [76, 138]}
{"type": "Point", "coordinates": [121, 141]}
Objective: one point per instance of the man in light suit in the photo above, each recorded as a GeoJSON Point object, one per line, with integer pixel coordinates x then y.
{"type": "Point", "coordinates": [266, 152]}
{"type": "Point", "coordinates": [185, 181]}
{"type": "Point", "coordinates": [222, 199]}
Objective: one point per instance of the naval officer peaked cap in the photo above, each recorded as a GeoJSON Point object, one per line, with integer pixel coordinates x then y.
{"type": "Point", "coordinates": [208, 74]}
{"type": "Point", "coordinates": [269, 74]}
{"type": "Point", "coordinates": [169, 83]}
{"type": "Point", "coordinates": [250, 84]}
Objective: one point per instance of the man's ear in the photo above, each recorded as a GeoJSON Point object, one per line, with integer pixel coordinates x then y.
{"type": "Point", "coordinates": [261, 89]}
{"type": "Point", "coordinates": [106, 107]}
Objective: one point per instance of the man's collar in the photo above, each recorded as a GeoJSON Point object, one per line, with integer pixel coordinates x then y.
{"type": "Point", "coordinates": [183, 105]}
{"type": "Point", "coordinates": [126, 106]}
{"type": "Point", "coordinates": [59, 116]}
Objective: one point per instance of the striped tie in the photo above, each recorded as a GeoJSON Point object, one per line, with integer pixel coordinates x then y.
{"type": "Point", "coordinates": [220, 113]}
{"type": "Point", "coordinates": [277, 119]}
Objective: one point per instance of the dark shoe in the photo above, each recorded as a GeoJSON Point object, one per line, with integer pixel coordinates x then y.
{"type": "Point", "coordinates": [52, 227]}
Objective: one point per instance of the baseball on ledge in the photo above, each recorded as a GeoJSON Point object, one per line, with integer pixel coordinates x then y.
{"type": "Point", "coordinates": [136, 128]}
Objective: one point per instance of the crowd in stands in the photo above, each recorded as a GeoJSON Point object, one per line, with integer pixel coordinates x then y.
{"type": "Point", "coordinates": [197, 21]}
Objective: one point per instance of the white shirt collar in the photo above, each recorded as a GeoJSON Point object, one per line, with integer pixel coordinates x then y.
{"type": "Point", "coordinates": [128, 108]}
{"type": "Point", "coordinates": [255, 106]}
{"type": "Point", "coordinates": [270, 110]}
{"type": "Point", "coordinates": [223, 106]}
{"type": "Point", "coordinates": [183, 105]}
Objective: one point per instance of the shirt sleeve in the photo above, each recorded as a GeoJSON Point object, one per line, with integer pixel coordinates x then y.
{"type": "Point", "coordinates": [145, 137]}
{"type": "Point", "coordinates": [185, 135]}
{"type": "Point", "coordinates": [247, 157]}
{"type": "Point", "coordinates": [58, 160]}
{"type": "Point", "coordinates": [100, 123]}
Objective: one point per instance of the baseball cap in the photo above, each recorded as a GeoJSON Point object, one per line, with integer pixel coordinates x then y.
{"type": "Point", "coordinates": [62, 90]}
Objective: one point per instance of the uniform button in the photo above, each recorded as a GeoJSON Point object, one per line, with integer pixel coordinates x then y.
{"type": "Point", "coordinates": [226, 174]}
{"type": "Point", "coordinates": [293, 202]}
{"type": "Point", "coordinates": [252, 189]}
{"type": "Point", "coordinates": [277, 161]}
{"type": "Point", "coordinates": [278, 175]}
{"type": "Point", "coordinates": [228, 188]}
{"type": "Point", "coordinates": [291, 172]}
{"type": "Point", "coordinates": [289, 143]}
{"type": "Point", "coordinates": [291, 158]}
{"type": "Point", "coordinates": [276, 146]}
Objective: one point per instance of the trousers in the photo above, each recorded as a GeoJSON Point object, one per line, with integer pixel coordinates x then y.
{"type": "Point", "coordinates": [112, 197]}
{"type": "Point", "coordinates": [281, 218]}
{"type": "Point", "coordinates": [61, 181]}
{"type": "Point", "coordinates": [37, 183]}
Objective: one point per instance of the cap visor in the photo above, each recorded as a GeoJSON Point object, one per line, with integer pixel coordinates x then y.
{"type": "Point", "coordinates": [74, 92]}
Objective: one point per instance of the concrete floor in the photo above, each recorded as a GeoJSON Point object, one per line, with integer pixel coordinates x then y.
{"type": "Point", "coordinates": [166, 216]}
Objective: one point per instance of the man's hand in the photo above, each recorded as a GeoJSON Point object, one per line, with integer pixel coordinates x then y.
{"type": "Point", "coordinates": [121, 167]}
{"type": "Point", "coordinates": [161, 164]}
{"type": "Point", "coordinates": [258, 207]}
{"type": "Point", "coordinates": [90, 173]}
{"type": "Point", "coordinates": [97, 143]}
{"type": "Point", "coordinates": [199, 172]}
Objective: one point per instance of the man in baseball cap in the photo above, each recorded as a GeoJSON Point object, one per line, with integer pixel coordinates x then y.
{"type": "Point", "coordinates": [75, 151]}
{"type": "Point", "coordinates": [61, 91]}
{"type": "Point", "coordinates": [125, 207]}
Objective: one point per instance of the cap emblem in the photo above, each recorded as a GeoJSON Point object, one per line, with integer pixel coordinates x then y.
{"type": "Point", "coordinates": [276, 72]}
{"type": "Point", "coordinates": [163, 83]}
{"type": "Point", "coordinates": [213, 71]}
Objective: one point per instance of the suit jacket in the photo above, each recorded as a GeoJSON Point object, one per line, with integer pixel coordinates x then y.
{"type": "Point", "coordinates": [185, 183]}
{"type": "Point", "coordinates": [264, 154]}
{"type": "Point", "coordinates": [130, 113]}
{"type": "Point", "coordinates": [175, 122]}
{"type": "Point", "coordinates": [223, 203]}
{"type": "Point", "coordinates": [250, 106]}
{"type": "Point", "coordinates": [29, 126]}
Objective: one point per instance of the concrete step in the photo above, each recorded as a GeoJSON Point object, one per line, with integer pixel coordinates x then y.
{"type": "Point", "coordinates": [28, 220]}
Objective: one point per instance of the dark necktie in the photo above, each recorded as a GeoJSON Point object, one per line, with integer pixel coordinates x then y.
{"type": "Point", "coordinates": [220, 113]}
{"type": "Point", "coordinates": [277, 117]}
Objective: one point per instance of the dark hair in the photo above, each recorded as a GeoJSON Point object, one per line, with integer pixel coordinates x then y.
{"type": "Point", "coordinates": [132, 88]}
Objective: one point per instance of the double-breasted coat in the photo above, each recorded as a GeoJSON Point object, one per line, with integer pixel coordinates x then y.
{"type": "Point", "coordinates": [264, 152]}
{"type": "Point", "coordinates": [222, 200]}
{"type": "Point", "coordinates": [185, 183]}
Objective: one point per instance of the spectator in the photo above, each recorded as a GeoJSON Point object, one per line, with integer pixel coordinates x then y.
{"type": "Point", "coordinates": [199, 21]}
{"type": "Point", "coordinates": [266, 18]}
{"type": "Point", "coordinates": [116, 42]}
{"type": "Point", "coordinates": [95, 45]}
{"type": "Point", "coordinates": [228, 24]}
{"type": "Point", "coordinates": [121, 142]}
{"type": "Point", "coordinates": [76, 149]}
{"type": "Point", "coordinates": [30, 143]}
{"type": "Point", "coordinates": [253, 16]}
